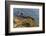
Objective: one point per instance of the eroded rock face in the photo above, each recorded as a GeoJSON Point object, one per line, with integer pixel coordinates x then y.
{"type": "Point", "coordinates": [24, 22]}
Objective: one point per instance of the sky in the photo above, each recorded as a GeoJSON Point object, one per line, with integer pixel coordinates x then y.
{"type": "Point", "coordinates": [27, 12]}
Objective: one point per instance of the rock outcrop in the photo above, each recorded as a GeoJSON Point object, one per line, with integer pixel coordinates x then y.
{"type": "Point", "coordinates": [22, 21]}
